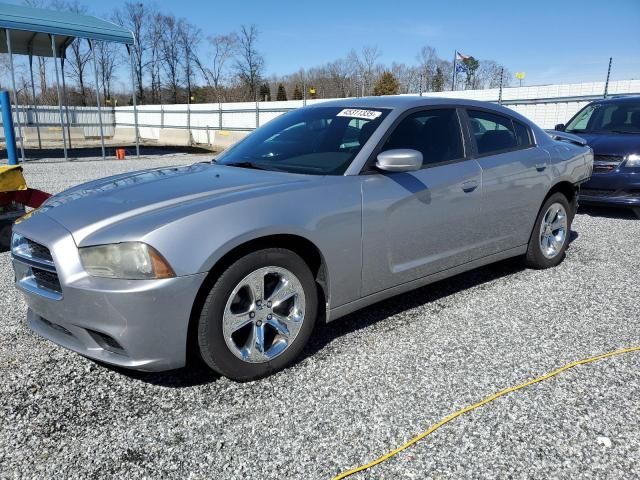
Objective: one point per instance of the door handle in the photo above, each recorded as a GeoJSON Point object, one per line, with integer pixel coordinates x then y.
{"type": "Point", "coordinates": [541, 167]}
{"type": "Point", "coordinates": [469, 186]}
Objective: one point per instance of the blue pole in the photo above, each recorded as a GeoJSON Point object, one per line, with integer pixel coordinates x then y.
{"type": "Point", "coordinates": [7, 122]}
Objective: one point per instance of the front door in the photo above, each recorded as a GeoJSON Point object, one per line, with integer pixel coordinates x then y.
{"type": "Point", "coordinates": [419, 223]}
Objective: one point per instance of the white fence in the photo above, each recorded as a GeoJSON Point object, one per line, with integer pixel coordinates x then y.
{"type": "Point", "coordinates": [546, 105]}
{"type": "Point", "coordinates": [222, 124]}
{"type": "Point", "coordinates": [49, 117]}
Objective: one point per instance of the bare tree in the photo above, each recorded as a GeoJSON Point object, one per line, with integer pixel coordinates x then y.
{"type": "Point", "coordinates": [78, 53]}
{"type": "Point", "coordinates": [223, 47]}
{"type": "Point", "coordinates": [407, 76]}
{"type": "Point", "coordinates": [339, 74]}
{"type": "Point", "coordinates": [250, 63]}
{"type": "Point", "coordinates": [42, 61]}
{"type": "Point", "coordinates": [77, 61]}
{"type": "Point", "coordinates": [189, 39]}
{"type": "Point", "coordinates": [171, 54]}
{"type": "Point", "coordinates": [363, 66]}
{"type": "Point", "coordinates": [488, 75]}
{"type": "Point", "coordinates": [107, 59]}
{"type": "Point", "coordinates": [135, 17]}
{"type": "Point", "coordinates": [428, 60]}
{"type": "Point", "coordinates": [154, 33]}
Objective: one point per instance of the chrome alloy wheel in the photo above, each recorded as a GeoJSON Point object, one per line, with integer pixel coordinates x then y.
{"type": "Point", "coordinates": [553, 230]}
{"type": "Point", "coordinates": [263, 314]}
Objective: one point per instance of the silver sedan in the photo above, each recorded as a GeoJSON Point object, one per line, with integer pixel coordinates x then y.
{"type": "Point", "coordinates": [320, 212]}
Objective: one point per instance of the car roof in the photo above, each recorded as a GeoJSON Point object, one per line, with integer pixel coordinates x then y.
{"type": "Point", "coordinates": [621, 99]}
{"type": "Point", "coordinates": [405, 102]}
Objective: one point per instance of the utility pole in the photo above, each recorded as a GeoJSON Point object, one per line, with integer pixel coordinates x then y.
{"type": "Point", "coordinates": [606, 85]}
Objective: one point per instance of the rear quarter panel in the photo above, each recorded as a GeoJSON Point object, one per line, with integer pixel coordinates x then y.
{"type": "Point", "coordinates": [569, 163]}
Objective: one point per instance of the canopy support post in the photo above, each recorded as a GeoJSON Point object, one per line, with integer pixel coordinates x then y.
{"type": "Point", "coordinates": [66, 102]}
{"type": "Point", "coordinates": [135, 103]}
{"type": "Point", "coordinates": [95, 71]}
{"type": "Point", "coordinates": [35, 102]}
{"type": "Point", "coordinates": [15, 93]}
{"type": "Point", "coordinates": [55, 64]}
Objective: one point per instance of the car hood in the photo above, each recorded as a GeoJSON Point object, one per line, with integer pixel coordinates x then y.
{"type": "Point", "coordinates": [618, 144]}
{"type": "Point", "coordinates": [98, 204]}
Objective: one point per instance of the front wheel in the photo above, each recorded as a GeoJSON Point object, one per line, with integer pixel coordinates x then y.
{"type": "Point", "coordinates": [550, 235]}
{"type": "Point", "coordinates": [259, 315]}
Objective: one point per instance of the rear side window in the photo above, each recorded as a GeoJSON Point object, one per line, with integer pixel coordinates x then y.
{"type": "Point", "coordinates": [436, 133]}
{"type": "Point", "coordinates": [493, 133]}
{"type": "Point", "coordinates": [522, 135]}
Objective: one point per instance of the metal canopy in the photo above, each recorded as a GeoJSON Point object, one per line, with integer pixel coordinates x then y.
{"type": "Point", "coordinates": [31, 29]}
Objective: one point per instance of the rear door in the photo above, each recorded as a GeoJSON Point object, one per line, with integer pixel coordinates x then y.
{"type": "Point", "coordinates": [515, 178]}
{"type": "Point", "coordinates": [423, 222]}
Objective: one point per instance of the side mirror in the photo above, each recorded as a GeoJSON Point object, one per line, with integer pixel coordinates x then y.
{"type": "Point", "coordinates": [559, 127]}
{"type": "Point", "coordinates": [399, 160]}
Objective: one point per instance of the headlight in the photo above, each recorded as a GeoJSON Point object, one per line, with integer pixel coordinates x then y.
{"type": "Point", "coordinates": [632, 160]}
{"type": "Point", "coordinates": [128, 261]}
{"type": "Point", "coordinates": [20, 246]}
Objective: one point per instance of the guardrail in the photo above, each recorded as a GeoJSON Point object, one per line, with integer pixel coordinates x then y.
{"type": "Point", "coordinates": [573, 99]}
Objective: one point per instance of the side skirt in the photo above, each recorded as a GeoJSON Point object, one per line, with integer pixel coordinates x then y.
{"type": "Point", "coordinates": [347, 308]}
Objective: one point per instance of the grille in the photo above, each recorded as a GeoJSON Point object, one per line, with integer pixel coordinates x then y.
{"type": "Point", "coordinates": [593, 192]}
{"type": "Point", "coordinates": [597, 192]}
{"type": "Point", "coordinates": [55, 326]}
{"type": "Point", "coordinates": [39, 252]}
{"type": "Point", "coordinates": [39, 265]}
{"type": "Point", "coordinates": [606, 163]}
{"type": "Point", "coordinates": [106, 342]}
{"type": "Point", "coordinates": [47, 280]}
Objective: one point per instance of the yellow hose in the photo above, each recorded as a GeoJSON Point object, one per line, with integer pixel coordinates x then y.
{"type": "Point", "coordinates": [489, 399]}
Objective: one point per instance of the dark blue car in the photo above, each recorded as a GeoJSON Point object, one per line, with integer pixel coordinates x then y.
{"type": "Point", "coordinates": [612, 128]}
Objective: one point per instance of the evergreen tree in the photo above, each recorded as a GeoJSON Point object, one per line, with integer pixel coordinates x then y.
{"type": "Point", "coordinates": [387, 84]}
{"type": "Point", "coordinates": [438, 80]}
{"type": "Point", "coordinates": [265, 92]}
{"type": "Point", "coordinates": [282, 94]}
{"type": "Point", "coordinates": [471, 66]}
{"type": "Point", "coordinates": [297, 93]}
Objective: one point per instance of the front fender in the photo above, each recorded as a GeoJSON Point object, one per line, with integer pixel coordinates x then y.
{"type": "Point", "coordinates": [329, 216]}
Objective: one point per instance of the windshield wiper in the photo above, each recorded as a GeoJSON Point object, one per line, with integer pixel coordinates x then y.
{"type": "Point", "coordinates": [246, 164]}
{"type": "Point", "coordinates": [626, 131]}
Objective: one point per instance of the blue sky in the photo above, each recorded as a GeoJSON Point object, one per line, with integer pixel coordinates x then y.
{"type": "Point", "coordinates": [552, 41]}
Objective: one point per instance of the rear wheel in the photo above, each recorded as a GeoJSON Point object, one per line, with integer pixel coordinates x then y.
{"type": "Point", "coordinates": [259, 315]}
{"type": "Point", "coordinates": [550, 235]}
{"type": "Point", "coordinates": [636, 210]}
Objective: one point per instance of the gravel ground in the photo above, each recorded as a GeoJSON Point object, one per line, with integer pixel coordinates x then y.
{"type": "Point", "coordinates": [365, 385]}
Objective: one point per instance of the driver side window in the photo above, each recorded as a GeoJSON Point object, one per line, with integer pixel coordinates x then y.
{"type": "Point", "coordinates": [435, 133]}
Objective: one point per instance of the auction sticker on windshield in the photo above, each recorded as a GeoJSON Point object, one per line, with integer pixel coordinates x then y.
{"type": "Point", "coordinates": [360, 113]}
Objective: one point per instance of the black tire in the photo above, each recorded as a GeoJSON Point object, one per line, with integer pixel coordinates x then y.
{"type": "Point", "coordinates": [5, 237]}
{"type": "Point", "coordinates": [636, 210]}
{"type": "Point", "coordinates": [214, 349]}
{"type": "Point", "coordinates": [535, 258]}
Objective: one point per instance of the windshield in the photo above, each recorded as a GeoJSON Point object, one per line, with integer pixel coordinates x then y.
{"type": "Point", "coordinates": [317, 141]}
{"type": "Point", "coordinates": [622, 117]}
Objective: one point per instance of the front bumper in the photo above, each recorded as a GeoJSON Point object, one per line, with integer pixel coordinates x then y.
{"type": "Point", "coordinates": [615, 188]}
{"type": "Point", "coordinates": [135, 324]}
